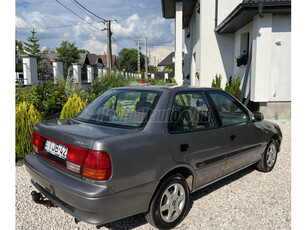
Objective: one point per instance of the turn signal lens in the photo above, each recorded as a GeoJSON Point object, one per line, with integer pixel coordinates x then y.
{"type": "Point", "coordinates": [97, 165]}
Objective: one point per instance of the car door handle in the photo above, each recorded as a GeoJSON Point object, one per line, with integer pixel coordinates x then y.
{"type": "Point", "coordinates": [184, 147]}
{"type": "Point", "coordinates": [233, 137]}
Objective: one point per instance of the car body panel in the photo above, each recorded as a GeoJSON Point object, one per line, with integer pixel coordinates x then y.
{"type": "Point", "coordinates": [83, 199]}
{"type": "Point", "coordinates": [141, 158]}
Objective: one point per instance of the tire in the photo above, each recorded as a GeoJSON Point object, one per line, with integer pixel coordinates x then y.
{"type": "Point", "coordinates": [268, 158]}
{"type": "Point", "coordinates": [169, 205]}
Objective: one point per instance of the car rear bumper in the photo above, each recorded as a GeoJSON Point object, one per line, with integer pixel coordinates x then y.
{"type": "Point", "coordinates": [85, 201]}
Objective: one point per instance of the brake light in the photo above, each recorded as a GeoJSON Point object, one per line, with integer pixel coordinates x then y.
{"type": "Point", "coordinates": [75, 158]}
{"type": "Point", "coordinates": [37, 142]}
{"type": "Point", "coordinates": [97, 165]}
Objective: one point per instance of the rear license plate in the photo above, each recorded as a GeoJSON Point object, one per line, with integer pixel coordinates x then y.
{"type": "Point", "coordinates": [56, 149]}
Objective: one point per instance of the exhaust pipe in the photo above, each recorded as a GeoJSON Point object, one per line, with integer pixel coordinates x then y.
{"type": "Point", "coordinates": [38, 198]}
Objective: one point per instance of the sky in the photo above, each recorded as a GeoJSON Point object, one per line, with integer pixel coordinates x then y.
{"type": "Point", "coordinates": [135, 19]}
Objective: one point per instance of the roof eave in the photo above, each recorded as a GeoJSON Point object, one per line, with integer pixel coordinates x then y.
{"type": "Point", "coordinates": [252, 10]}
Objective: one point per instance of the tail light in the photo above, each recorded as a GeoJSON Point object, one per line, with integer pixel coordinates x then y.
{"type": "Point", "coordinates": [37, 142]}
{"type": "Point", "coordinates": [75, 157]}
{"type": "Point", "coordinates": [91, 164]}
{"type": "Point", "coordinates": [97, 165]}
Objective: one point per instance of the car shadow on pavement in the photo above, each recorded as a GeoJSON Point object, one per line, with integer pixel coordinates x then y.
{"type": "Point", "coordinates": [219, 184]}
{"type": "Point", "coordinates": [139, 220]}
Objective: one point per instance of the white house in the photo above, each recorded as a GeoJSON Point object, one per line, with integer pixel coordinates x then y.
{"type": "Point", "coordinates": [217, 32]}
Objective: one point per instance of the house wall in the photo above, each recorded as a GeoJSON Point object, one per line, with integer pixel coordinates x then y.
{"type": "Point", "coordinates": [271, 63]}
{"type": "Point", "coordinates": [217, 51]}
{"type": "Point", "coordinates": [280, 71]}
{"type": "Point", "coordinates": [192, 49]}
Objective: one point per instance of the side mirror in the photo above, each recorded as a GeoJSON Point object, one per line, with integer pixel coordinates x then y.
{"type": "Point", "coordinates": [257, 116]}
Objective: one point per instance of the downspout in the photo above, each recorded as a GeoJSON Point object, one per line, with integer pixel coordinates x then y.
{"type": "Point", "coordinates": [260, 9]}
{"type": "Point", "coordinates": [216, 12]}
{"type": "Point", "coordinates": [246, 76]}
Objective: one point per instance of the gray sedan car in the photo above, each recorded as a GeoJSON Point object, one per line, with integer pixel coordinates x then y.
{"type": "Point", "coordinates": [144, 150]}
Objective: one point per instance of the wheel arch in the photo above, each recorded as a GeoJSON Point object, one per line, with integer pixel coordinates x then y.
{"type": "Point", "coordinates": [277, 140]}
{"type": "Point", "coordinates": [186, 171]}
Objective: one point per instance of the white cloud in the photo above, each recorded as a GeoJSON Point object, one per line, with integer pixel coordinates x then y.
{"type": "Point", "coordinates": [20, 23]}
{"type": "Point", "coordinates": [94, 46]}
{"type": "Point", "coordinates": [133, 22]}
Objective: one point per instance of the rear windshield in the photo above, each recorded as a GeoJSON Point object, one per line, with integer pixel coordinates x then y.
{"type": "Point", "coordinates": [123, 108]}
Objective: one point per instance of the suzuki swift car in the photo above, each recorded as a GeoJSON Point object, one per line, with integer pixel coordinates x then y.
{"type": "Point", "coordinates": [144, 150]}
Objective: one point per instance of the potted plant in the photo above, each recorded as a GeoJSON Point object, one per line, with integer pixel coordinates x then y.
{"type": "Point", "coordinates": [242, 60]}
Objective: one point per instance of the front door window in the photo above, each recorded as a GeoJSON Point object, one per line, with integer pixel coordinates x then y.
{"type": "Point", "coordinates": [229, 110]}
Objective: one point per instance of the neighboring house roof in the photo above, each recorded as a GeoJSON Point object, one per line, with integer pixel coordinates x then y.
{"type": "Point", "coordinates": [104, 59]}
{"type": "Point", "coordinates": [245, 12]}
{"type": "Point", "coordinates": [48, 59]}
{"type": "Point", "coordinates": [94, 60]}
{"type": "Point", "coordinates": [85, 59]}
{"type": "Point", "coordinates": [82, 59]}
{"type": "Point", "coordinates": [169, 59]}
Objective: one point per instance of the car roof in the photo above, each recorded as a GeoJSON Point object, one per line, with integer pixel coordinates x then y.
{"type": "Point", "coordinates": [164, 88]}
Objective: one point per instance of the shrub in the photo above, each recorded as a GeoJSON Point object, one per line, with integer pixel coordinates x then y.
{"type": "Point", "coordinates": [107, 81]}
{"type": "Point", "coordinates": [134, 106]}
{"type": "Point", "coordinates": [26, 117]}
{"type": "Point", "coordinates": [87, 96]}
{"type": "Point", "coordinates": [120, 111]}
{"type": "Point", "coordinates": [233, 87]}
{"type": "Point", "coordinates": [72, 107]}
{"type": "Point", "coordinates": [216, 82]}
{"type": "Point", "coordinates": [50, 97]}
{"type": "Point", "coordinates": [157, 82]}
{"type": "Point", "coordinates": [173, 80]}
{"type": "Point", "coordinates": [27, 94]}
{"type": "Point", "coordinates": [71, 87]}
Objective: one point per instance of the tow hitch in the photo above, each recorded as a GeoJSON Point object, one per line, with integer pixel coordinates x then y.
{"type": "Point", "coordinates": [38, 198]}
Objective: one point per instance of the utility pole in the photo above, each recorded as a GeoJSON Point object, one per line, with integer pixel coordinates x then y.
{"type": "Point", "coordinates": [146, 65]}
{"type": "Point", "coordinates": [109, 44]}
{"type": "Point", "coordinates": [138, 42]}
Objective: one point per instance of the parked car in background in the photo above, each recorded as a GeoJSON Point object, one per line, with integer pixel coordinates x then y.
{"type": "Point", "coordinates": [144, 150]}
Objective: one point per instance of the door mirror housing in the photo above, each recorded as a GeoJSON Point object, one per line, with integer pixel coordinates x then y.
{"type": "Point", "coordinates": [257, 116]}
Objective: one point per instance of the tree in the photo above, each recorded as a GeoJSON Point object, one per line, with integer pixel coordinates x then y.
{"type": "Point", "coordinates": [47, 50]}
{"type": "Point", "coordinates": [170, 67]}
{"type": "Point", "coordinates": [68, 53]}
{"type": "Point", "coordinates": [19, 52]}
{"type": "Point", "coordinates": [151, 68]}
{"type": "Point", "coordinates": [32, 47]}
{"type": "Point", "coordinates": [128, 59]}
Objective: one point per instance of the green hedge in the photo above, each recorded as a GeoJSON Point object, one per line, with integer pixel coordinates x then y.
{"type": "Point", "coordinates": [72, 107]}
{"type": "Point", "coordinates": [25, 118]}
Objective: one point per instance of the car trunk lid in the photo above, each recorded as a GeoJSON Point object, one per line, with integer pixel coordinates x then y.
{"type": "Point", "coordinates": [67, 143]}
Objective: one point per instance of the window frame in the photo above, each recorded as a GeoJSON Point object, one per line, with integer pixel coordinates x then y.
{"type": "Point", "coordinates": [210, 107]}
{"type": "Point", "coordinates": [236, 102]}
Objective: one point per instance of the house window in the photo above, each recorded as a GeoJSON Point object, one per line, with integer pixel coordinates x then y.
{"type": "Point", "coordinates": [244, 43]}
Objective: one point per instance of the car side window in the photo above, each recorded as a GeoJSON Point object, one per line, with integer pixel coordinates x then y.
{"type": "Point", "coordinates": [190, 111]}
{"type": "Point", "coordinates": [228, 109]}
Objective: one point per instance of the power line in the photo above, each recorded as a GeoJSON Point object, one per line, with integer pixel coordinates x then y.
{"type": "Point", "coordinates": [56, 27]}
{"type": "Point", "coordinates": [77, 15]}
{"type": "Point", "coordinates": [77, 38]}
{"type": "Point", "coordinates": [83, 10]}
{"type": "Point", "coordinates": [90, 11]}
